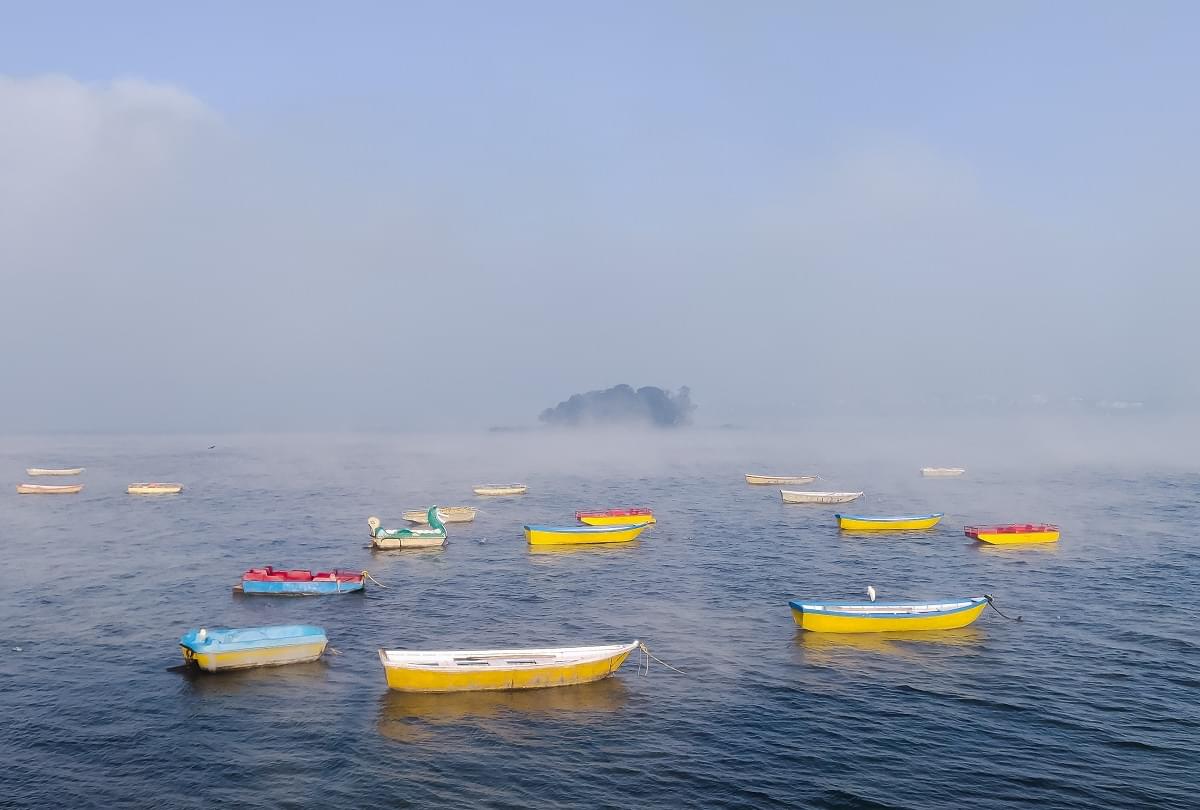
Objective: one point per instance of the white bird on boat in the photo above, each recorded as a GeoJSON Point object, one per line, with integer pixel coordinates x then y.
{"type": "Point", "coordinates": [871, 592]}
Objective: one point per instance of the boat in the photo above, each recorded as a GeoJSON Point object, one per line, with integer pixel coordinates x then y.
{"type": "Point", "coordinates": [390, 539]}
{"type": "Point", "coordinates": [878, 617]}
{"type": "Point", "coordinates": [154, 488]}
{"type": "Point", "coordinates": [942, 472]}
{"type": "Point", "coordinates": [53, 471]}
{"type": "Point", "coordinates": [779, 479]}
{"type": "Point", "coordinates": [269, 581]}
{"type": "Point", "coordinates": [477, 670]}
{"type": "Point", "coordinates": [220, 649]}
{"type": "Point", "coordinates": [1014, 533]}
{"type": "Point", "coordinates": [48, 489]}
{"type": "Point", "coordinates": [616, 517]}
{"type": "Point", "coordinates": [796, 496]}
{"type": "Point", "coordinates": [449, 514]}
{"type": "Point", "coordinates": [503, 489]}
{"type": "Point", "coordinates": [572, 535]}
{"type": "Point", "coordinates": [892, 523]}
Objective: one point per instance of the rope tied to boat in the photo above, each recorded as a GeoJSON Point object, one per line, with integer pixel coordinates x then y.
{"type": "Point", "coordinates": [991, 602]}
{"type": "Point", "coordinates": [367, 575]}
{"type": "Point", "coordinates": [647, 655]}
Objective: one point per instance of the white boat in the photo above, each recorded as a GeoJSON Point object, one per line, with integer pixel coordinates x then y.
{"type": "Point", "coordinates": [53, 471]}
{"type": "Point", "coordinates": [504, 489]}
{"type": "Point", "coordinates": [796, 496]}
{"type": "Point", "coordinates": [941, 472]}
{"type": "Point", "coordinates": [154, 488]}
{"type": "Point", "coordinates": [779, 479]}
{"type": "Point", "coordinates": [477, 670]}
{"type": "Point", "coordinates": [448, 514]}
{"type": "Point", "coordinates": [44, 489]}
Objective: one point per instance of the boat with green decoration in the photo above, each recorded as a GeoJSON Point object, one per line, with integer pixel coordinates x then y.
{"type": "Point", "coordinates": [391, 539]}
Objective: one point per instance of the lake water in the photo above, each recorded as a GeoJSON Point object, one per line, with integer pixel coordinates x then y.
{"type": "Point", "coordinates": [1089, 701]}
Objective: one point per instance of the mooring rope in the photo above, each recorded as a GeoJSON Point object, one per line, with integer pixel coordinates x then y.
{"type": "Point", "coordinates": [649, 654]}
{"type": "Point", "coordinates": [367, 574]}
{"type": "Point", "coordinates": [988, 597]}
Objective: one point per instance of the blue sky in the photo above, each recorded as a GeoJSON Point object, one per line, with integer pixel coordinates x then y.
{"type": "Point", "coordinates": [854, 181]}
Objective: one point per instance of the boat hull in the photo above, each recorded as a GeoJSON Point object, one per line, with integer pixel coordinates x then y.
{"type": "Point", "coordinates": [259, 588]}
{"type": "Point", "coordinates": [790, 496]}
{"type": "Point", "coordinates": [942, 472]}
{"type": "Point", "coordinates": [397, 543]}
{"type": "Point", "coordinates": [424, 679]}
{"type": "Point", "coordinates": [760, 480]}
{"type": "Point", "coordinates": [516, 489]}
{"type": "Point", "coordinates": [897, 524]}
{"type": "Point", "coordinates": [578, 535]}
{"type": "Point", "coordinates": [1016, 538]}
{"type": "Point", "coordinates": [831, 621]}
{"type": "Point", "coordinates": [64, 471]}
{"type": "Point", "coordinates": [449, 514]}
{"type": "Point", "coordinates": [154, 489]}
{"type": "Point", "coordinates": [48, 489]}
{"type": "Point", "coordinates": [259, 657]}
{"type": "Point", "coordinates": [597, 519]}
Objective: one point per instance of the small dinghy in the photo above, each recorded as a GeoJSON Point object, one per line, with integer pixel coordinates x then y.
{"type": "Point", "coordinates": [878, 617]}
{"type": "Point", "coordinates": [391, 539]}
{"type": "Point", "coordinates": [1011, 534]}
{"type": "Point", "coordinates": [449, 514]}
{"type": "Point", "coordinates": [942, 472]}
{"type": "Point", "coordinates": [616, 517]}
{"type": "Point", "coordinates": [48, 489]}
{"type": "Point", "coordinates": [269, 581]}
{"type": "Point", "coordinates": [892, 523]}
{"type": "Point", "coordinates": [154, 488]}
{"type": "Point", "coordinates": [572, 535]}
{"type": "Point", "coordinates": [758, 480]}
{"type": "Point", "coordinates": [220, 649]}
{"type": "Point", "coordinates": [53, 471]}
{"type": "Point", "coordinates": [477, 670]}
{"type": "Point", "coordinates": [796, 496]}
{"type": "Point", "coordinates": [504, 489]}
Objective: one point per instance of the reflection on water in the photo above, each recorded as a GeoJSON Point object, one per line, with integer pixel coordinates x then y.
{"type": "Point", "coordinates": [230, 682]}
{"type": "Point", "coordinates": [587, 548]}
{"type": "Point", "coordinates": [1014, 549]}
{"type": "Point", "coordinates": [404, 716]}
{"type": "Point", "coordinates": [832, 649]}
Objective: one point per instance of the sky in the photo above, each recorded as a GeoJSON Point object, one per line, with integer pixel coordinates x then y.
{"type": "Point", "coordinates": [431, 216]}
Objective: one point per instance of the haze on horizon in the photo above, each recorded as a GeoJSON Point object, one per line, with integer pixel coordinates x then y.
{"type": "Point", "coordinates": [424, 216]}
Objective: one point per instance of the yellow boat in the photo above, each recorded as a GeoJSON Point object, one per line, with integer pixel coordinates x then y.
{"type": "Point", "coordinates": [240, 648]}
{"type": "Point", "coordinates": [1014, 533]}
{"type": "Point", "coordinates": [477, 670]}
{"type": "Point", "coordinates": [616, 517]}
{"type": "Point", "coordinates": [894, 523]}
{"type": "Point", "coordinates": [148, 488]}
{"type": "Point", "coordinates": [842, 617]}
{"type": "Point", "coordinates": [571, 535]}
{"type": "Point", "coordinates": [48, 489]}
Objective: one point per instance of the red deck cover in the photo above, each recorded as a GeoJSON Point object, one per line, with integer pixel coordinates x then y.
{"type": "Point", "coordinates": [269, 574]}
{"type": "Point", "coordinates": [1010, 528]}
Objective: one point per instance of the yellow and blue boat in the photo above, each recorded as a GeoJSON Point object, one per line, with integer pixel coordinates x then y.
{"type": "Point", "coordinates": [220, 649]}
{"type": "Point", "coordinates": [893, 523]}
{"type": "Point", "coordinates": [572, 535]}
{"type": "Point", "coordinates": [845, 617]}
{"type": "Point", "coordinates": [478, 670]}
{"type": "Point", "coordinates": [1011, 534]}
{"type": "Point", "coordinates": [616, 517]}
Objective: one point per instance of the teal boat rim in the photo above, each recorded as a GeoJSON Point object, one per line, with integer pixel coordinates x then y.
{"type": "Point", "coordinates": [534, 527]}
{"type": "Point", "coordinates": [888, 518]}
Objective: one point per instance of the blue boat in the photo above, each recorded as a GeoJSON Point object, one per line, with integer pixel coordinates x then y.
{"type": "Point", "coordinates": [271, 582]}
{"type": "Point", "coordinates": [239, 648]}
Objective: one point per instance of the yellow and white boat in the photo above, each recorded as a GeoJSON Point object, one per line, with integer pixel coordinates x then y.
{"type": "Point", "coordinates": [571, 535]}
{"type": "Point", "coordinates": [893, 523]}
{"type": "Point", "coordinates": [505, 489]}
{"type": "Point", "coordinates": [53, 471]}
{"type": "Point", "coordinates": [616, 517]}
{"type": "Point", "coordinates": [477, 670]}
{"type": "Point", "coordinates": [779, 479]}
{"type": "Point", "coordinates": [843, 617]}
{"type": "Point", "coordinates": [801, 496]}
{"type": "Point", "coordinates": [48, 489]}
{"type": "Point", "coordinates": [1011, 534]}
{"type": "Point", "coordinates": [448, 514]}
{"type": "Point", "coordinates": [154, 488]}
{"type": "Point", "coordinates": [942, 472]}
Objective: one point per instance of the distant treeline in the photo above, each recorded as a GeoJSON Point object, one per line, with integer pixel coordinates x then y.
{"type": "Point", "coordinates": [623, 405]}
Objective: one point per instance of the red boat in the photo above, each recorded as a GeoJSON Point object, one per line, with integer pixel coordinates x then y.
{"type": "Point", "coordinates": [268, 580]}
{"type": "Point", "coordinates": [616, 517]}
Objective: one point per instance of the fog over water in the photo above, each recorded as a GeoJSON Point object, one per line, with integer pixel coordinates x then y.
{"type": "Point", "coordinates": [428, 218]}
